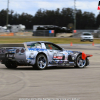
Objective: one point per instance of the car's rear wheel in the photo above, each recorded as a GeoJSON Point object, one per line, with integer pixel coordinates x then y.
{"type": "Point", "coordinates": [41, 62]}
{"type": "Point", "coordinates": [11, 65]}
{"type": "Point", "coordinates": [80, 63]}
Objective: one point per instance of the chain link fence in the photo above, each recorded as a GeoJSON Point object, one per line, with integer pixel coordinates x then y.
{"type": "Point", "coordinates": [49, 33]}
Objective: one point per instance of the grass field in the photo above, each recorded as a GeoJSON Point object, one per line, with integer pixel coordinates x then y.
{"type": "Point", "coordinates": [54, 40]}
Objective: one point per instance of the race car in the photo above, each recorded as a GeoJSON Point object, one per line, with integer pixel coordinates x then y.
{"type": "Point", "coordinates": [40, 54]}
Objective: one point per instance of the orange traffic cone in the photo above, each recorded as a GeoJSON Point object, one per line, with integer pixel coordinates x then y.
{"type": "Point", "coordinates": [71, 44]}
{"type": "Point", "coordinates": [93, 44]}
{"type": "Point", "coordinates": [83, 56]}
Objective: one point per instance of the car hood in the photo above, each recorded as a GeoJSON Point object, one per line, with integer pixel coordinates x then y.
{"type": "Point", "coordinates": [73, 52]}
{"type": "Point", "coordinates": [87, 36]}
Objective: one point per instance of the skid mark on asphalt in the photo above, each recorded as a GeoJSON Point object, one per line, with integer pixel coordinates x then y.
{"type": "Point", "coordinates": [12, 86]}
{"type": "Point", "coordinates": [1, 75]}
{"type": "Point", "coordinates": [23, 74]}
{"type": "Point", "coordinates": [2, 81]}
{"type": "Point", "coordinates": [12, 89]}
{"type": "Point", "coordinates": [12, 80]}
{"type": "Point", "coordinates": [2, 85]}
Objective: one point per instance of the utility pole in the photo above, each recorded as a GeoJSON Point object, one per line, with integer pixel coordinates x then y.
{"type": "Point", "coordinates": [7, 12]}
{"type": "Point", "coordinates": [74, 14]}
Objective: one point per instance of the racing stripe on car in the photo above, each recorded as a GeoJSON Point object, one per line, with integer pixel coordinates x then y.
{"type": "Point", "coordinates": [37, 49]}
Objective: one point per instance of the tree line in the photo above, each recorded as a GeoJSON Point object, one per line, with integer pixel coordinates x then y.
{"type": "Point", "coordinates": [62, 18]}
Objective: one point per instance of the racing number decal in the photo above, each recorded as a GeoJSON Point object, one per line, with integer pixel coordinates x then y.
{"type": "Point", "coordinates": [58, 56]}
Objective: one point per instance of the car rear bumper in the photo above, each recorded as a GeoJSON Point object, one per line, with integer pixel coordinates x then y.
{"type": "Point", "coordinates": [86, 39]}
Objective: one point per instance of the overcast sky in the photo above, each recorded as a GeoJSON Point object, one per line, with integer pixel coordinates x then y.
{"type": "Point", "coordinates": [31, 6]}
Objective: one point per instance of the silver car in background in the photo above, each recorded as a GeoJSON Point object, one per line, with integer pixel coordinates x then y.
{"type": "Point", "coordinates": [87, 36]}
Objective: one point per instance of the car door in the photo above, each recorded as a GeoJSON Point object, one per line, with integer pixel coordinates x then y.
{"type": "Point", "coordinates": [52, 50]}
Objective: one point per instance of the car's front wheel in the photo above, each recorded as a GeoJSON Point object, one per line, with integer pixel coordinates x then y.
{"type": "Point", "coordinates": [80, 63]}
{"type": "Point", "coordinates": [41, 62]}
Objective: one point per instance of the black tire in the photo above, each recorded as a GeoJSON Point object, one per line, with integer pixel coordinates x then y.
{"type": "Point", "coordinates": [11, 65]}
{"type": "Point", "coordinates": [41, 62]}
{"type": "Point", "coordinates": [80, 63]}
{"type": "Point", "coordinates": [82, 40]}
{"type": "Point", "coordinates": [91, 40]}
{"type": "Point", "coordinates": [87, 62]}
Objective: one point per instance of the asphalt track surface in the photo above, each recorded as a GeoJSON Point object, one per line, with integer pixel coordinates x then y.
{"type": "Point", "coordinates": [61, 82]}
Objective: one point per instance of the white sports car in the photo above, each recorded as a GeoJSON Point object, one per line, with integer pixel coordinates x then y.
{"type": "Point", "coordinates": [40, 55]}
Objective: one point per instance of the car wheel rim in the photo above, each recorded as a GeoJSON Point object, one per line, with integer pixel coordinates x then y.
{"type": "Point", "coordinates": [81, 62]}
{"type": "Point", "coordinates": [42, 62]}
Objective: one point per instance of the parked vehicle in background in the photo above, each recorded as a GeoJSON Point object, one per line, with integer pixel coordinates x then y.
{"type": "Point", "coordinates": [87, 36]}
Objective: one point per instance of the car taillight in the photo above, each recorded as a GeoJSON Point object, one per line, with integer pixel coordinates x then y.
{"type": "Point", "coordinates": [22, 50]}
{"type": "Point", "coordinates": [17, 51]}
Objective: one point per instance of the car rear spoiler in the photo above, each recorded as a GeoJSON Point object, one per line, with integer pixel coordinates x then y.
{"type": "Point", "coordinates": [13, 45]}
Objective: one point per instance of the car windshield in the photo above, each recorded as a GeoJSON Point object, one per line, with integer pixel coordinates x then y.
{"type": "Point", "coordinates": [86, 33]}
{"type": "Point", "coordinates": [34, 45]}
{"type": "Point", "coordinates": [52, 46]}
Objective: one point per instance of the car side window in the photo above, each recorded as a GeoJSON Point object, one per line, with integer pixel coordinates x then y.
{"type": "Point", "coordinates": [34, 45]}
{"type": "Point", "coordinates": [52, 46]}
